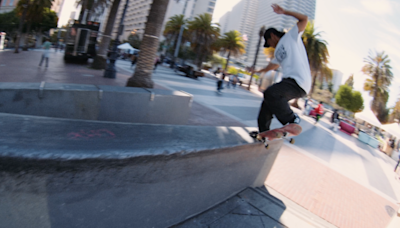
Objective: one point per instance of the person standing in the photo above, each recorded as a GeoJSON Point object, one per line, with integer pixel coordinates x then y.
{"type": "Point", "coordinates": [319, 111]}
{"type": "Point", "coordinates": [291, 55]}
{"type": "Point", "coordinates": [335, 120]}
{"type": "Point", "coordinates": [133, 60]}
{"type": "Point", "coordinates": [46, 52]}
{"type": "Point", "coordinates": [397, 165]}
{"type": "Point", "coordinates": [156, 62]}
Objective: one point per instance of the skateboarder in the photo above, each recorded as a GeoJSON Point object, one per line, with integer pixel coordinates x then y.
{"type": "Point", "coordinates": [291, 55]}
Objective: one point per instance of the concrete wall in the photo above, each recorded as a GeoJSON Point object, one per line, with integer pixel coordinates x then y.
{"type": "Point", "coordinates": [90, 102]}
{"type": "Point", "coordinates": [137, 175]}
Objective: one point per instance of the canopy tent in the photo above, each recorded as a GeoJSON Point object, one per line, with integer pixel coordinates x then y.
{"type": "Point", "coordinates": [368, 116]}
{"type": "Point", "coordinates": [393, 129]}
{"type": "Point", "coordinates": [126, 46]}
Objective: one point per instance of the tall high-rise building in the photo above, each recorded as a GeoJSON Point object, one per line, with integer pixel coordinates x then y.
{"type": "Point", "coordinates": [266, 17]}
{"type": "Point", "coordinates": [57, 6]}
{"type": "Point", "coordinates": [203, 6]}
{"type": "Point", "coordinates": [242, 18]}
{"type": "Point", "coordinates": [7, 5]}
{"type": "Point", "coordinates": [138, 10]}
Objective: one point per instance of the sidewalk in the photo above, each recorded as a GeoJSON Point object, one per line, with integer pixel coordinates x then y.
{"type": "Point", "coordinates": [344, 192]}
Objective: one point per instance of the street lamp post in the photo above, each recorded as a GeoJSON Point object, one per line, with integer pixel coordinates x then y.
{"type": "Point", "coordinates": [110, 71]}
{"type": "Point", "coordinates": [180, 33]}
{"type": "Point", "coordinates": [261, 34]}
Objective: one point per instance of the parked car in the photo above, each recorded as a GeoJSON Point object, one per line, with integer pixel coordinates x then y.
{"type": "Point", "coordinates": [244, 79]}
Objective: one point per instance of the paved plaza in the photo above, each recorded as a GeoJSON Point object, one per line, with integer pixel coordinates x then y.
{"type": "Point", "coordinates": [330, 174]}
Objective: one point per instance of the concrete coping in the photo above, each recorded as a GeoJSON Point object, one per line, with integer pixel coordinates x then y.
{"type": "Point", "coordinates": [96, 102]}
{"type": "Point", "coordinates": [34, 137]}
{"type": "Point", "coordinates": [81, 87]}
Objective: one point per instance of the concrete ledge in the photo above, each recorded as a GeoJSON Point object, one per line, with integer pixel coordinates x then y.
{"type": "Point", "coordinates": [90, 102]}
{"type": "Point", "coordinates": [73, 173]}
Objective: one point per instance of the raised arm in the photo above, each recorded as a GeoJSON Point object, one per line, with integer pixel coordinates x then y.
{"type": "Point", "coordinates": [301, 17]}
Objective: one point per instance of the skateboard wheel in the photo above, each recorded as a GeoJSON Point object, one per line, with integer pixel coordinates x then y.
{"type": "Point", "coordinates": [291, 141]}
{"type": "Point", "coordinates": [266, 146]}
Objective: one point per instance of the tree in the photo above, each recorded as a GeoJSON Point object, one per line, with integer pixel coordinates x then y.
{"type": "Point", "coordinates": [232, 43]}
{"type": "Point", "coordinates": [377, 67]}
{"type": "Point", "coordinates": [149, 46]}
{"type": "Point", "coordinates": [349, 99]}
{"type": "Point", "coordinates": [317, 53]}
{"type": "Point", "coordinates": [203, 33]}
{"type": "Point", "coordinates": [172, 29]}
{"type": "Point", "coordinates": [269, 52]}
{"type": "Point", "coordinates": [232, 70]}
{"type": "Point", "coordinates": [396, 111]}
{"type": "Point", "coordinates": [134, 40]}
{"type": "Point", "coordinates": [216, 60]}
{"type": "Point", "coordinates": [100, 61]}
{"type": "Point", "coordinates": [350, 81]}
{"type": "Point", "coordinates": [9, 21]}
{"type": "Point", "coordinates": [47, 21]}
{"type": "Point", "coordinates": [32, 11]}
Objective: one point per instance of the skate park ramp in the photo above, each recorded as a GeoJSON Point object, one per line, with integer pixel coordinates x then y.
{"type": "Point", "coordinates": [79, 173]}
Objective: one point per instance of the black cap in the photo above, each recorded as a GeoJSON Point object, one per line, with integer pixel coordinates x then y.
{"type": "Point", "coordinates": [267, 35]}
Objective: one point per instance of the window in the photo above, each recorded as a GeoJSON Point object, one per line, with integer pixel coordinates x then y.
{"type": "Point", "coordinates": [11, 2]}
{"type": "Point", "coordinates": [211, 4]}
{"type": "Point", "coordinates": [4, 2]}
{"type": "Point", "coordinates": [210, 10]}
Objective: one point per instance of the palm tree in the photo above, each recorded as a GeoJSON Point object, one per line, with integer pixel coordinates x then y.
{"type": "Point", "coordinates": [100, 61]}
{"type": "Point", "coordinates": [172, 28]}
{"type": "Point", "coordinates": [378, 68]}
{"type": "Point", "coordinates": [269, 52]}
{"type": "Point", "coordinates": [232, 43]}
{"type": "Point", "coordinates": [203, 34]}
{"type": "Point", "coordinates": [317, 53]}
{"type": "Point", "coordinates": [350, 81]}
{"type": "Point", "coordinates": [149, 46]}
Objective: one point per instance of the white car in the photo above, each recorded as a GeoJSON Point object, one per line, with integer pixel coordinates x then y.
{"type": "Point", "coordinates": [245, 79]}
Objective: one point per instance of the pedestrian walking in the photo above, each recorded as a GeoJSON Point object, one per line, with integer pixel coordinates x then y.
{"type": "Point", "coordinates": [46, 52]}
{"type": "Point", "coordinates": [220, 83]}
{"type": "Point", "coordinates": [133, 60]}
{"type": "Point", "coordinates": [398, 163]}
{"type": "Point", "coordinates": [319, 111]}
{"type": "Point", "coordinates": [335, 120]}
{"type": "Point", "coordinates": [156, 62]}
{"type": "Point", "coordinates": [291, 55]}
{"type": "Point", "coordinates": [235, 81]}
{"type": "Point", "coordinates": [306, 110]}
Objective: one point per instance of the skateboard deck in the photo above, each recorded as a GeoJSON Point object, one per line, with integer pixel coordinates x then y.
{"type": "Point", "coordinates": [280, 133]}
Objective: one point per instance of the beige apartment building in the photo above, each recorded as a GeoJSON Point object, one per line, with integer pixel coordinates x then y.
{"type": "Point", "coordinates": [138, 10]}
{"type": "Point", "coordinates": [7, 5]}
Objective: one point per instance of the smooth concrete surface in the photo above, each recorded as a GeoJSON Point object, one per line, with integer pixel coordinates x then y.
{"type": "Point", "coordinates": [91, 102]}
{"type": "Point", "coordinates": [73, 173]}
{"type": "Point", "coordinates": [256, 207]}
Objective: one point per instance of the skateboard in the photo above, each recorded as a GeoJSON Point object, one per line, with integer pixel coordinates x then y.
{"type": "Point", "coordinates": [284, 132]}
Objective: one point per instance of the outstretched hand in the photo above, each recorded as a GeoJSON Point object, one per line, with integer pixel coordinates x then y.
{"type": "Point", "coordinates": [277, 9]}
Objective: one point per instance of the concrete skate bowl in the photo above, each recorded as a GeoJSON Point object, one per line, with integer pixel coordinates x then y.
{"type": "Point", "coordinates": [58, 172]}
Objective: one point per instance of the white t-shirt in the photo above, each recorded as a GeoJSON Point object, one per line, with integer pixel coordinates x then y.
{"type": "Point", "coordinates": [291, 55]}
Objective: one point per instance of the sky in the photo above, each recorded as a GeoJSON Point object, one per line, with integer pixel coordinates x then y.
{"type": "Point", "coordinates": [353, 29]}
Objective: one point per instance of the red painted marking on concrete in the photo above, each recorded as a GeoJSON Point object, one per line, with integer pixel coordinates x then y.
{"type": "Point", "coordinates": [90, 134]}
